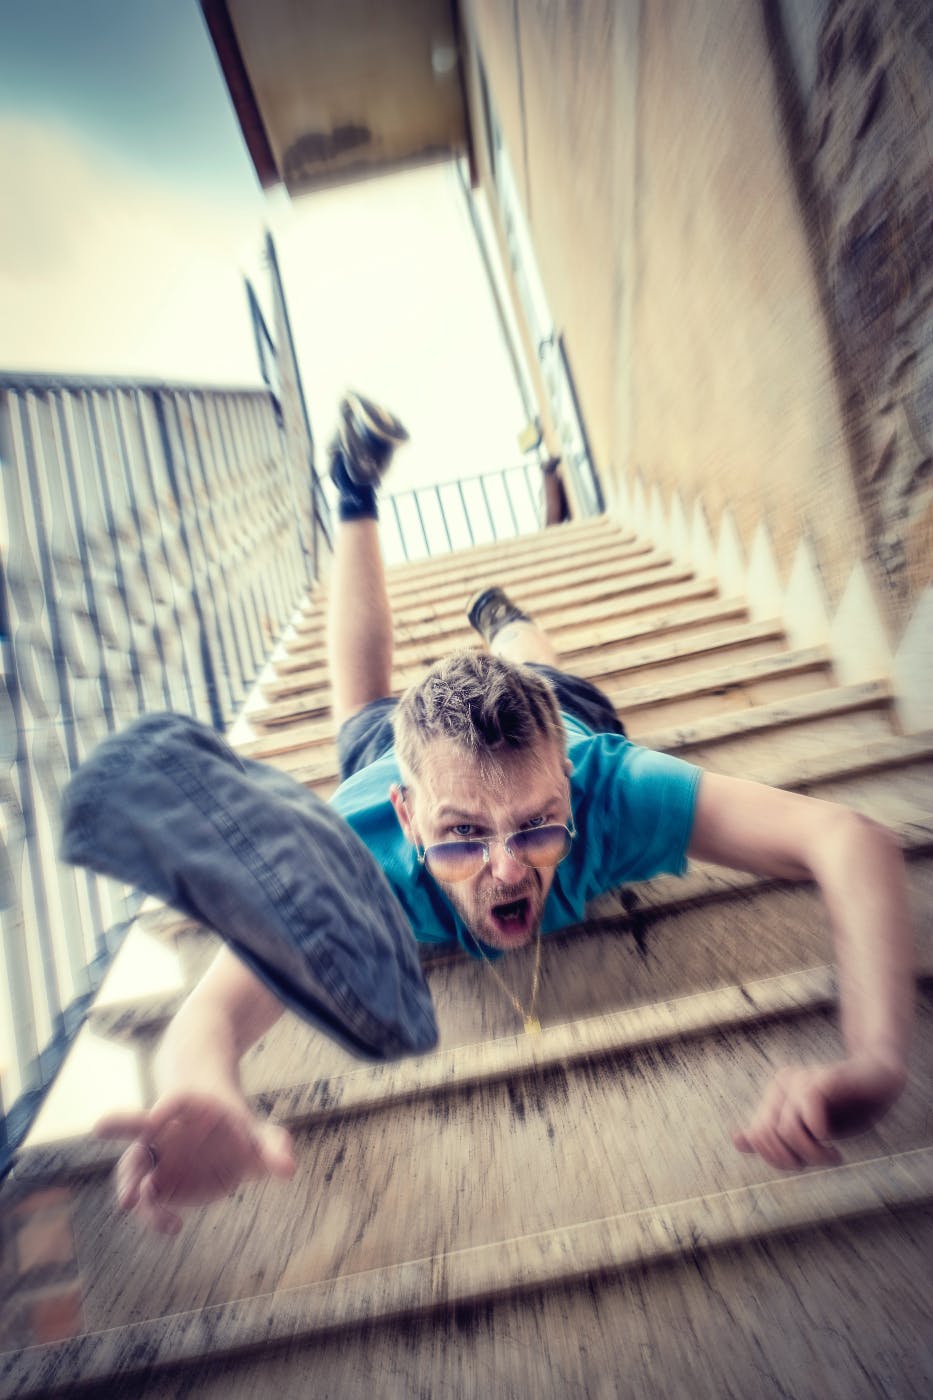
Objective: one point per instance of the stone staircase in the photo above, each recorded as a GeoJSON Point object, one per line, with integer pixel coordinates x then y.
{"type": "Point", "coordinates": [556, 1215]}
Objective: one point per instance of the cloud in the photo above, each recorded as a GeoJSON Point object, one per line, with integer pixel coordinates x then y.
{"type": "Point", "coordinates": [103, 272]}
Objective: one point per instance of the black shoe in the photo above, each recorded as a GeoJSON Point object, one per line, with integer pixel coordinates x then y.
{"type": "Point", "coordinates": [366, 438]}
{"type": "Point", "coordinates": [492, 609]}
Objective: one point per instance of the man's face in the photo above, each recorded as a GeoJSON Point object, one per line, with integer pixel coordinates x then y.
{"type": "Point", "coordinates": [454, 799]}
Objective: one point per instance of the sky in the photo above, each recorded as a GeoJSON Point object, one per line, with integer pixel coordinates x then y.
{"type": "Point", "coordinates": [130, 212]}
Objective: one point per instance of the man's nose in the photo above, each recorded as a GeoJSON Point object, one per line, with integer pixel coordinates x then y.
{"type": "Point", "coordinates": [505, 868]}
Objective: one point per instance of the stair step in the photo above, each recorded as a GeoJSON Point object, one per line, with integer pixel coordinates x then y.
{"type": "Point", "coordinates": [692, 692]}
{"type": "Point", "coordinates": [668, 940]}
{"type": "Point", "coordinates": [522, 570]}
{"type": "Point", "coordinates": [789, 741]}
{"type": "Point", "coordinates": [569, 641]}
{"type": "Point", "coordinates": [292, 742]}
{"type": "Point", "coordinates": [608, 1330]}
{"type": "Point", "coordinates": [295, 1092]}
{"type": "Point", "coordinates": [667, 656]}
{"type": "Point", "coordinates": [719, 688]}
{"type": "Point", "coordinates": [760, 949]}
{"type": "Point", "coordinates": [667, 622]}
{"type": "Point", "coordinates": [879, 752]}
{"type": "Point", "coordinates": [722, 626]}
{"type": "Point", "coordinates": [679, 655]}
{"type": "Point", "coordinates": [556, 541]}
{"type": "Point", "coordinates": [518, 571]}
{"type": "Point", "coordinates": [557, 618]}
{"type": "Point", "coordinates": [563, 541]}
{"type": "Point", "coordinates": [635, 578]}
{"type": "Point", "coordinates": [441, 1194]}
{"type": "Point", "coordinates": [612, 1299]}
{"type": "Point", "coordinates": [868, 704]}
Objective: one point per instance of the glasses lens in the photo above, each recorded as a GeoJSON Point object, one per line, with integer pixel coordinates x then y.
{"type": "Point", "coordinates": [540, 845]}
{"type": "Point", "coordinates": [454, 860]}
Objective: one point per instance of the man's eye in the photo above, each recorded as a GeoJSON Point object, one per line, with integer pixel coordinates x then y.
{"type": "Point", "coordinates": [463, 829]}
{"type": "Point", "coordinates": [537, 821]}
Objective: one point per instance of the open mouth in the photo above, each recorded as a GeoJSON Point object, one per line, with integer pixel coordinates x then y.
{"type": "Point", "coordinates": [512, 918]}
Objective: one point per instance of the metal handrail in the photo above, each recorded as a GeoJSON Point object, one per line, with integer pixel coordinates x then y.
{"type": "Point", "coordinates": [440, 520]}
{"type": "Point", "coordinates": [150, 556]}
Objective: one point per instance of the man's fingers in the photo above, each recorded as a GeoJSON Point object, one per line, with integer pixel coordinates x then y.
{"type": "Point", "coordinates": [794, 1133]}
{"type": "Point", "coordinates": [121, 1125]}
{"type": "Point", "coordinates": [814, 1112]}
{"type": "Point", "coordinates": [776, 1152]}
{"type": "Point", "coordinates": [278, 1154]}
{"type": "Point", "coordinates": [130, 1170]}
{"type": "Point", "coordinates": [153, 1213]}
{"type": "Point", "coordinates": [762, 1135]}
{"type": "Point", "coordinates": [791, 1125]}
{"type": "Point", "coordinates": [196, 1111]}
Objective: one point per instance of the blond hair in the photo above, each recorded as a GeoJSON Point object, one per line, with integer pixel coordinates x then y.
{"type": "Point", "coordinates": [490, 708]}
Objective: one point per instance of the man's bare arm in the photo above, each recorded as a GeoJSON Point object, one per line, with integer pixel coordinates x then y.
{"type": "Point", "coordinates": [226, 1013]}
{"type": "Point", "coordinates": [860, 873]}
{"type": "Point", "coordinates": [200, 1139]}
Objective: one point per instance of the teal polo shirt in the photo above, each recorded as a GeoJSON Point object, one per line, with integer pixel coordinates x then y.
{"type": "Point", "coordinates": [633, 810]}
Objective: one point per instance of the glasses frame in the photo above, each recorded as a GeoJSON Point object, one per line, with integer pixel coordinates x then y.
{"type": "Point", "coordinates": [485, 842]}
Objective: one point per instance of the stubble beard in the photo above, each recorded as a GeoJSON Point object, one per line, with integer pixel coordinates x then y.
{"type": "Point", "coordinates": [475, 912]}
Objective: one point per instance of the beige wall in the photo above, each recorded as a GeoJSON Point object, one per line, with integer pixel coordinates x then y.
{"type": "Point", "coordinates": [667, 225]}
{"type": "Point", "coordinates": [734, 390]}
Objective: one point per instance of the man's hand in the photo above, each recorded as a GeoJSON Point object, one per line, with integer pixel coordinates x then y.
{"type": "Point", "coordinates": [190, 1148]}
{"type": "Point", "coordinates": [805, 1105]}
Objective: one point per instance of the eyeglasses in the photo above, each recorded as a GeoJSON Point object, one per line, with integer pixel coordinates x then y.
{"type": "Point", "coordinates": [538, 846]}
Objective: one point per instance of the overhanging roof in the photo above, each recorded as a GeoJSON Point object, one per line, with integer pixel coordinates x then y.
{"type": "Point", "coordinates": [328, 91]}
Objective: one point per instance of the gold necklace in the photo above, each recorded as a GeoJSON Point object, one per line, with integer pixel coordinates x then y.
{"type": "Point", "coordinates": [529, 1019]}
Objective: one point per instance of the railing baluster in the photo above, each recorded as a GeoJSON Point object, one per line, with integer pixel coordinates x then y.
{"type": "Point", "coordinates": [508, 496]}
{"type": "Point", "coordinates": [440, 506]}
{"type": "Point", "coordinates": [424, 533]}
{"type": "Point", "coordinates": [492, 523]}
{"type": "Point", "coordinates": [531, 493]}
{"type": "Point", "coordinates": [398, 526]}
{"type": "Point", "coordinates": [466, 513]}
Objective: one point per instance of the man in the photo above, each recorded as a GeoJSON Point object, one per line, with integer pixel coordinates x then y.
{"type": "Point", "coordinates": [504, 797]}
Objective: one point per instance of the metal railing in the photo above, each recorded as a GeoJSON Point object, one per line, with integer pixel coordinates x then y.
{"type": "Point", "coordinates": [150, 555]}
{"type": "Point", "coordinates": [432, 520]}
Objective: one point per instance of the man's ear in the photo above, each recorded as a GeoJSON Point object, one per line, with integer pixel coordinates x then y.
{"type": "Point", "coordinates": [397, 798]}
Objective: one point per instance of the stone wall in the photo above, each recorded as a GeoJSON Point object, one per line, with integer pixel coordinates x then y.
{"type": "Point", "coordinates": [863, 71]}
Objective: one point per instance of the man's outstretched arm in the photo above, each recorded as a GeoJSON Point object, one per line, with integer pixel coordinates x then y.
{"type": "Point", "coordinates": [859, 869]}
{"type": "Point", "coordinates": [200, 1139]}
